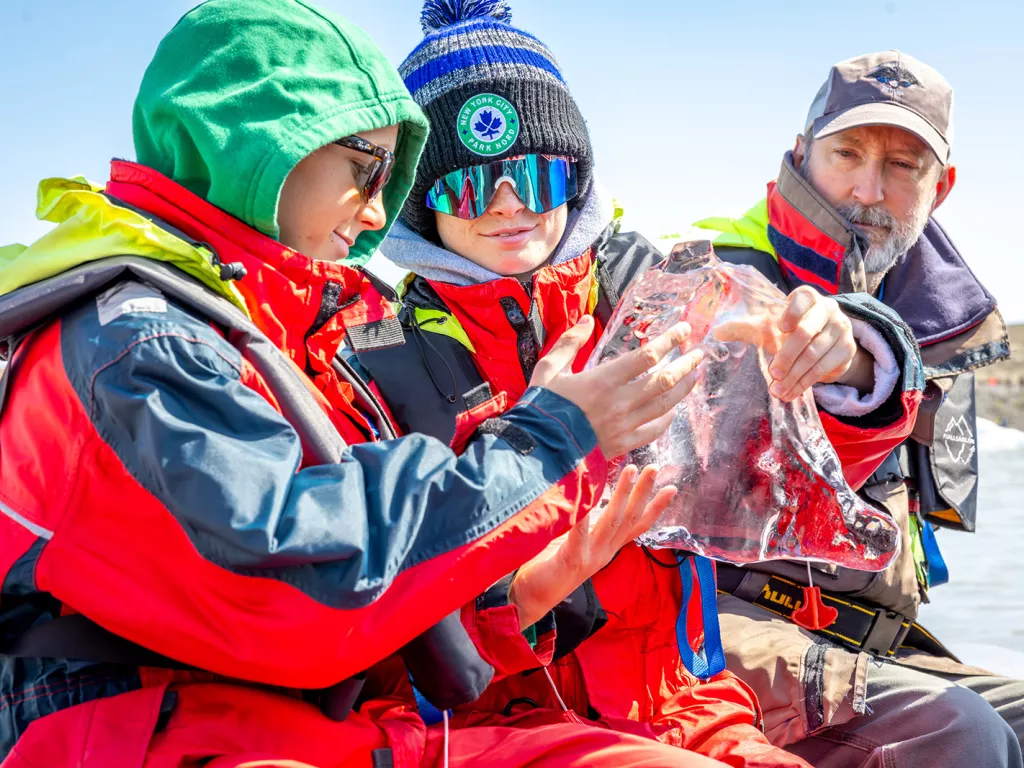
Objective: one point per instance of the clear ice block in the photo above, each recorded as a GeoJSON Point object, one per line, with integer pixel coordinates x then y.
{"type": "Point", "coordinates": [758, 478]}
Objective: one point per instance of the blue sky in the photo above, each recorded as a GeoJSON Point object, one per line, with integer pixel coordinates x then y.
{"type": "Point", "coordinates": [690, 104]}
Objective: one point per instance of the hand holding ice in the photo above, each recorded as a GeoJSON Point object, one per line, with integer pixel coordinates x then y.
{"type": "Point", "coordinates": [758, 479]}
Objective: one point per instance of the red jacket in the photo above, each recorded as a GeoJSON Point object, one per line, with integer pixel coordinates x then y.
{"type": "Point", "coordinates": [151, 483]}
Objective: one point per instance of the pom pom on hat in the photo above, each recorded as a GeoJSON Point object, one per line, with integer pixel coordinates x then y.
{"type": "Point", "coordinates": [438, 14]}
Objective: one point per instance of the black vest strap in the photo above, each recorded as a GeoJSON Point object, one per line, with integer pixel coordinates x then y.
{"type": "Point", "coordinates": [860, 626]}
{"type": "Point", "coordinates": [427, 381]}
{"type": "Point", "coordinates": [76, 637]}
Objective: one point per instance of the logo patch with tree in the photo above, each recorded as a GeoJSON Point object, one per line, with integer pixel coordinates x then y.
{"type": "Point", "coordinates": [488, 124]}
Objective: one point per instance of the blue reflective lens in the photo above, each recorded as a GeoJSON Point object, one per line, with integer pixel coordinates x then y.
{"type": "Point", "coordinates": [542, 182]}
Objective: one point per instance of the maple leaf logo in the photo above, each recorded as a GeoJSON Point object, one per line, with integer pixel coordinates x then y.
{"type": "Point", "coordinates": [488, 125]}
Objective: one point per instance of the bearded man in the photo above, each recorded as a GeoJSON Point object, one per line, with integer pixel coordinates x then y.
{"type": "Point", "coordinates": [851, 211]}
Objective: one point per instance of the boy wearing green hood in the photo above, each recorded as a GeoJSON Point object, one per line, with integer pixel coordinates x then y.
{"type": "Point", "coordinates": [208, 531]}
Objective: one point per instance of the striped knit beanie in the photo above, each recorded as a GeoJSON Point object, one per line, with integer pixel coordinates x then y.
{"type": "Point", "coordinates": [490, 91]}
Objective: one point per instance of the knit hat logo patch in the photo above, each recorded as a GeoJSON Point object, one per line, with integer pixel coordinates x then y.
{"type": "Point", "coordinates": [488, 124]}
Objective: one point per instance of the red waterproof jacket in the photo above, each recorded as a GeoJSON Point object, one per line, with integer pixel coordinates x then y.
{"type": "Point", "coordinates": [152, 484]}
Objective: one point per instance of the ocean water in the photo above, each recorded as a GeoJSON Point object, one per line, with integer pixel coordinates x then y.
{"type": "Point", "coordinates": [979, 614]}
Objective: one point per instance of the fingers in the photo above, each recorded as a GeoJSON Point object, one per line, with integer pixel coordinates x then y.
{"type": "Point", "coordinates": [760, 327]}
{"type": "Point", "coordinates": [642, 435]}
{"type": "Point", "coordinates": [621, 495]}
{"type": "Point", "coordinates": [621, 524]}
{"type": "Point", "coordinates": [577, 540]}
{"type": "Point", "coordinates": [748, 331]}
{"type": "Point", "coordinates": [809, 361]}
{"type": "Point", "coordinates": [562, 352]}
{"type": "Point", "coordinates": [811, 323]}
{"type": "Point", "coordinates": [820, 343]}
{"type": "Point", "coordinates": [654, 510]}
{"type": "Point", "coordinates": [659, 394]}
{"type": "Point", "coordinates": [640, 495]}
{"type": "Point", "coordinates": [624, 369]}
{"type": "Point", "coordinates": [800, 301]}
{"type": "Point", "coordinates": [827, 368]}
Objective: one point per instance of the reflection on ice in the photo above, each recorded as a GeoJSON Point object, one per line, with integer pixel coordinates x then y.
{"type": "Point", "coordinates": [757, 477]}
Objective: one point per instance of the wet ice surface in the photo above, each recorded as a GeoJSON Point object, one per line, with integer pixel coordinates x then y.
{"type": "Point", "coordinates": [758, 479]}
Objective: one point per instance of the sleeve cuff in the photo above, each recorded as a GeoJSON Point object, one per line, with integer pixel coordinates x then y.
{"type": "Point", "coordinates": [842, 400]}
{"type": "Point", "coordinates": [493, 624]}
{"type": "Point", "coordinates": [577, 617]}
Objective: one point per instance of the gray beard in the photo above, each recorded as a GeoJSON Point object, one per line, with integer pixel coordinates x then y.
{"type": "Point", "coordinates": [902, 234]}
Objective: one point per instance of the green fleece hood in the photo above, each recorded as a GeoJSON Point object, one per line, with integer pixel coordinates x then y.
{"type": "Point", "coordinates": [241, 90]}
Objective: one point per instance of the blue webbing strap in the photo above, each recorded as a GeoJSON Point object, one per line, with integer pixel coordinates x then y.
{"type": "Point", "coordinates": [938, 571]}
{"type": "Point", "coordinates": [711, 660]}
{"type": "Point", "coordinates": [430, 714]}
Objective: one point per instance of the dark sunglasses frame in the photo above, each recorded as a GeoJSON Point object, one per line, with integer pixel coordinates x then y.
{"type": "Point", "coordinates": [380, 174]}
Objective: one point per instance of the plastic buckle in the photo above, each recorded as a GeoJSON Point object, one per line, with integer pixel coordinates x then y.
{"type": "Point", "coordinates": [887, 633]}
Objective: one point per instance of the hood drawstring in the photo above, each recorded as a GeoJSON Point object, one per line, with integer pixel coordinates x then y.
{"type": "Point", "coordinates": [421, 338]}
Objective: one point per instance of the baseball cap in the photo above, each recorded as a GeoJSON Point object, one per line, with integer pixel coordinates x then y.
{"type": "Point", "coordinates": [885, 88]}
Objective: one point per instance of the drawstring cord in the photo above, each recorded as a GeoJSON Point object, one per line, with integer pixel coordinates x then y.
{"type": "Point", "coordinates": [570, 715]}
{"type": "Point", "coordinates": [444, 714]}
{"type": "Point", "coordinates": [554, 688]}
{"type": "Point", "coordinates": [421, 339]}
{"type": "Point", "coordinates": [650, 556]}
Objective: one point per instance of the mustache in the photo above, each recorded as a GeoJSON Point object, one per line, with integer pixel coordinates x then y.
{"type": "Point", "coordinates": [871, 215]}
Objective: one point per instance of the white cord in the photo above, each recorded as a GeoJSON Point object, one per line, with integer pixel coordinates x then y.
{"type": "Point", "coordinates": [555, 689]}
{"type": "Point", "coordinates": [444, 715]}
{"type": "Point", "coordinates": [810, 579]}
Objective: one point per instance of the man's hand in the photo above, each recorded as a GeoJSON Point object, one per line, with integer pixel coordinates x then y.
{"type": "Point", "coordinates": [568, 561]}
{"type": "Point", "coordinates": [625, 408]}
{"type": "Point", "coordinates": [810, 342]}
{"type": "Point", "coordinates": [818, 347]}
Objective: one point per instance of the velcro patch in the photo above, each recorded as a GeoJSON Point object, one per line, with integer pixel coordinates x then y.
{"type": "Point", "coordinates": [382, 334]}
{"type": "Point", "coordinates": [521, 440]}
{"type": "Point", "coordinates": [478, 395]}
{"type": "Point", "coordinates": [128, 298]}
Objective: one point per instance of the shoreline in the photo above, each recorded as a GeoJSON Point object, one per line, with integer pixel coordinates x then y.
{"type": "Point", "coordinates": [999, 388]}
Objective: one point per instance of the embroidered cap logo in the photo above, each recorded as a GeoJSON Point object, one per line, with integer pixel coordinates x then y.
{"type": "Point", "coordinates": [488, 124]}
{"type": "Point", "coordinates": [893, 77]}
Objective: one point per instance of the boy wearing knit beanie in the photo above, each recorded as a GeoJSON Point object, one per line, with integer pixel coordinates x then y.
{"type": "Point", "coordinates": [510, 240]}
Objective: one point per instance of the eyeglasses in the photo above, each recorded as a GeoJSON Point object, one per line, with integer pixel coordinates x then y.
{"type": "Point", "coordinates": [542, 182]}
{"type": "Point", "coordinates": [379, 172]}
